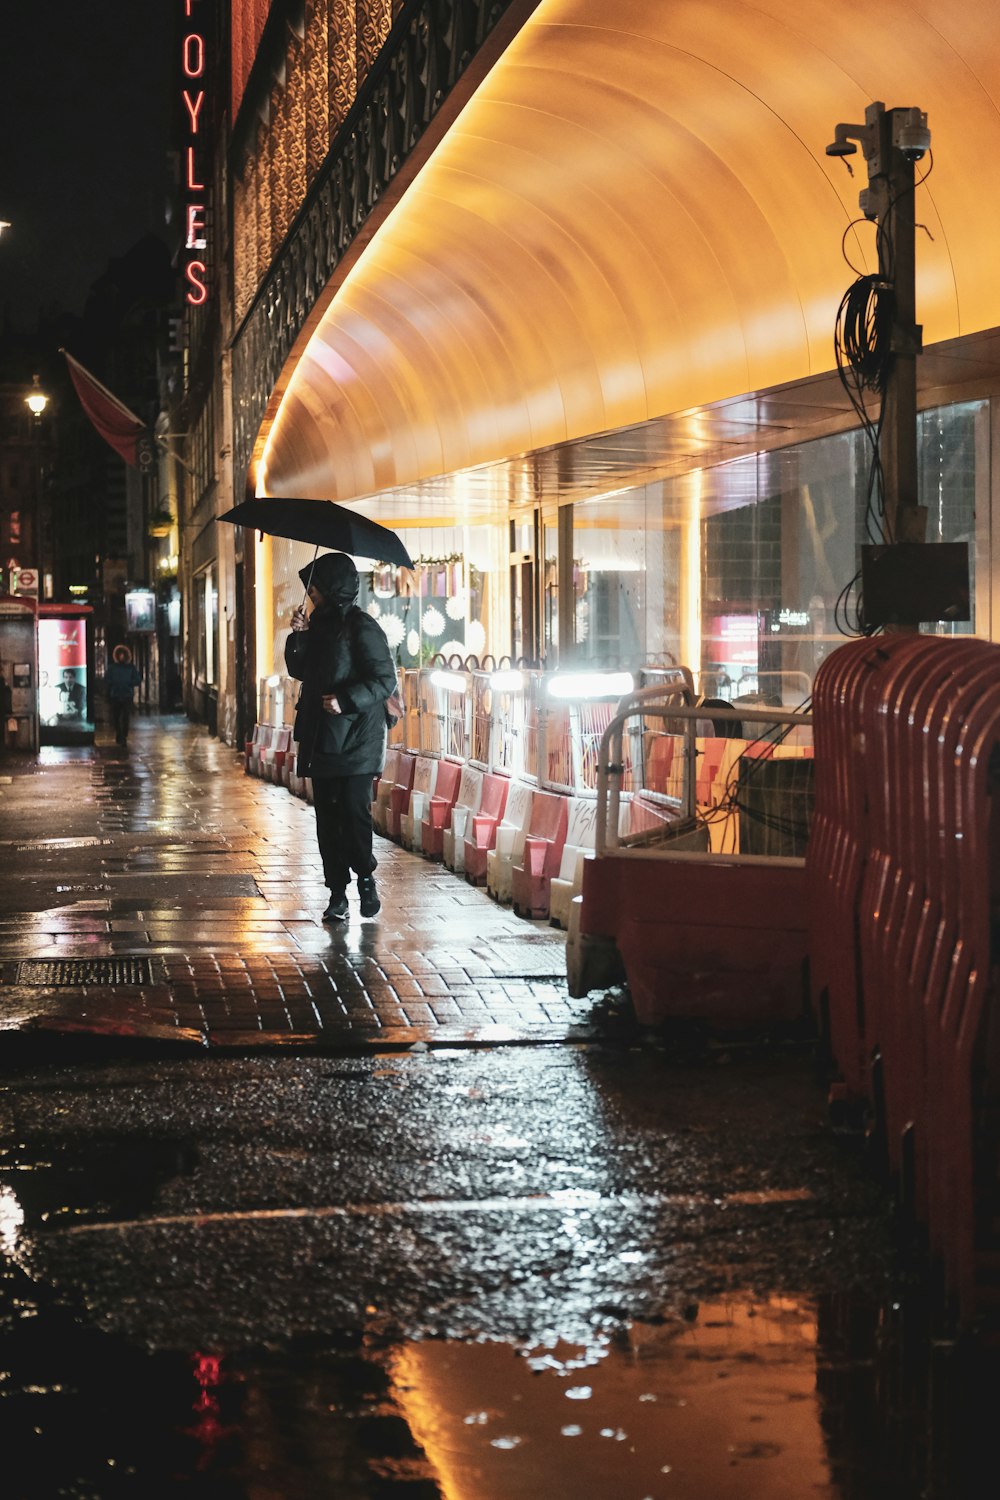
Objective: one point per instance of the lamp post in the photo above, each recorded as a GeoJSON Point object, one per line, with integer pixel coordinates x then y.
{"type": "Point", "coordinates": [36, 401]}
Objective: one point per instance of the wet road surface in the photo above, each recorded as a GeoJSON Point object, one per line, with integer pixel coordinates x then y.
{"type": "Point", "coordinates": [277, 1260]}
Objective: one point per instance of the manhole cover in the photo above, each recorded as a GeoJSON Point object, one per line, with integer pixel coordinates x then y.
{"type": "Point", "coordinates": [114, 970]}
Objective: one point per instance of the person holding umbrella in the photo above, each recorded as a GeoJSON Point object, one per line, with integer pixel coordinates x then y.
{"type": "Point", "coordinates": [342, 658]}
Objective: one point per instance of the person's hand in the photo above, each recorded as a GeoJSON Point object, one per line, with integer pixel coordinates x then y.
{"type": "Point", "coordinates": [330, 704]}
{"type": "Point", "coordinates": [300, 620]}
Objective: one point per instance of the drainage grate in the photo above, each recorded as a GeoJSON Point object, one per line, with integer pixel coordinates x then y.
{"type": "Point", "coordinates": [77, 971]}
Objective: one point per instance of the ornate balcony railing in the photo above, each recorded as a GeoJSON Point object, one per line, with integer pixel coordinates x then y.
{"type": "Point", "coordinates": [429, 47]}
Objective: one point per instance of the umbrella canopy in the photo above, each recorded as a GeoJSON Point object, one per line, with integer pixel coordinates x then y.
{"type": "Point", "coordinates": [323, 523]}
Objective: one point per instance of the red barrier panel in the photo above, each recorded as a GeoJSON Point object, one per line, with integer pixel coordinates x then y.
{"type": "Point", "coordinates": [543, 847]}
{"type": "Point", "coordinates": [912, 812]}
{"type": "Point", "coordinates": [484, 827]}
{"type": "Point", "coordinates": [907, 828]}
{"type": "Point", "coordinates": [439, 809]}
{"type": "Point", "coordinates": [964, 1052]}
{"type": "Point", "coordinates": [272, 759]}
{"type": "Point", "coordinates": [399, 797]}
{"type": "Point", "coordinates": [259, 741]}
{"type": "Point", "coordinates": [838, 853]}
{"type": "Point", "coordinates": [704, 940]}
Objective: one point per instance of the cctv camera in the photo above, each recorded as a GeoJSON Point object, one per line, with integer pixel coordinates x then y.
{"type": "Point", "coordinates": [910, 135]}
{"type": "Point", "coordinates": [914, 150]}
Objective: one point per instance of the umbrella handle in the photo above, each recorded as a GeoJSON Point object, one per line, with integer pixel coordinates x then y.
{"type": "Point", "coordinates": [305, 596]}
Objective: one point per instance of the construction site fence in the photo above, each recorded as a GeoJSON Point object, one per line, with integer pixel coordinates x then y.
{"type": "Point", "coordinates": [508, 722]}
{"type": "Point", "coordinates": [691, 758]}
{"type": "Point", "coordinates": [743, 775]}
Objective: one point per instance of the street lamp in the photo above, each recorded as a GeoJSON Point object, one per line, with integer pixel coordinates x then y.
{"type": "Point", "coordinates": [36, 402]}
{"type": "Point", "coordinates": [36, 399]}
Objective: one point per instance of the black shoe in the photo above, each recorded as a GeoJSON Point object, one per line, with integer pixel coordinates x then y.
{"type": "Point", "coordinates": [370, 904]}
{"type": "Point", "coordinates": [337, 909]}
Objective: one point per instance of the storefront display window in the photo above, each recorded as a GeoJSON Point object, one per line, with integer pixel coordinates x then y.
{"type": "Point", "coordinates": [748, 572]}
{"type": "Point", "coordinates": [444, 605]}
{"type": "Point", "coordinates": [206, 628]}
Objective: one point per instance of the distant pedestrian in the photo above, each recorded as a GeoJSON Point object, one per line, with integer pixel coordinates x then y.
{"type": "Point", "coordinates": [342, 659]}
{"type": "Point", "coordinates": [123, 679]}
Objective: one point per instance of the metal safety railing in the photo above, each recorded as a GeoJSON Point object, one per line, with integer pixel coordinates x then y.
{"type": "Point", "coordinates": [754, 796]}
{"type": "Point", "coordinates": [521, 722]}
{"type": "Point", "coordinates": [676, 756]}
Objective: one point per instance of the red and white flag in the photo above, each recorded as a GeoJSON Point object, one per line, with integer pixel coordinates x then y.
{"type": "Point", "coordinates": [121, 428]}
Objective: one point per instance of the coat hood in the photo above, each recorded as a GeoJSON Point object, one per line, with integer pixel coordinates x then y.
{"type": "Point", "coordinates": [336, 577]}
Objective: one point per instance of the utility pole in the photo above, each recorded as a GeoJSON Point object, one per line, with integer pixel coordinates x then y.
{"type": "Point", "coordinates": [903, 139]}
{"type": "Point", "coordinates": [893, 141]}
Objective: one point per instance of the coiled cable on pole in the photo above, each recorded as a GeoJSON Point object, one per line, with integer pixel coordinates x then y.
{"type": "Point", "coordinates": [863, 347]}
{"type": "Point", "coordinates": [863, 336]}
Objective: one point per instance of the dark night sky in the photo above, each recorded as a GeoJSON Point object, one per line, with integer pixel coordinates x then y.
{"type": "Point", "coordinates": [85, 96]}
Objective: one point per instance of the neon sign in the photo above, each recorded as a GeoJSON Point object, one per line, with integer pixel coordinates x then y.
{"type": "Point", "coordinates": [193, 67]}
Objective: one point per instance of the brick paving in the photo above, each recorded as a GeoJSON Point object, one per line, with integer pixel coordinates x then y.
{"type": "Point", "coordinates": [170, 853]}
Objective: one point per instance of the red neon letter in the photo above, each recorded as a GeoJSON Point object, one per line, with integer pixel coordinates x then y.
{"type": "Point", "coordinates": [190, 170]}
{"type": "Point", "coordinates": [195, 226]}
{"type": "Point", "coordinates": [194, 270]}
{"type": "Point", "coordinates": [187, 7]}
{"type": "Point", "coordinates": [193, 53]}
{"type": "Point", "coordinates": [193, 108]}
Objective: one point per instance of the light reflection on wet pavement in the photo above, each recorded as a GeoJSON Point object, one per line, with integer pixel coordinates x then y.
{"type": "Point", "coordinates": [582, 1270]}
{"type": "Point", "coordinates": [171, 851]}
{"type": "Point", "coordinates": [779, 1398]}
{"type": "Point", "coordinates": [685, 1410]}
{"type": "Point", "coordinates": [463, 1276]}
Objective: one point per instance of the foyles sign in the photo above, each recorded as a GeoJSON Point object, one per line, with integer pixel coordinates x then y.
{"type": "Point", "coordinates": [195, 154]}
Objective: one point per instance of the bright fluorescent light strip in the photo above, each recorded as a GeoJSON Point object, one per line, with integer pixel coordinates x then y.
{"type": "Point", "coordinates": [592, 685]}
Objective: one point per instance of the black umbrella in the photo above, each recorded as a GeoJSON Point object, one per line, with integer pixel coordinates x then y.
{"type": "Point", "coordinates": [322, 522]}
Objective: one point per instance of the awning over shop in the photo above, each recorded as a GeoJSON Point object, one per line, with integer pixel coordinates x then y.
{"type": "Point", "coordinates": [634, 216]}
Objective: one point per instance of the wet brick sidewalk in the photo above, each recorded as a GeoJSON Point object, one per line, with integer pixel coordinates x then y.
{"type": "Point", "coordinates": [168, 853]}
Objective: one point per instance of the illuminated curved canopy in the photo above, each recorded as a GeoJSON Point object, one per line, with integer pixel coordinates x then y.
{"type": "Point", "coordinates": [634, 216]}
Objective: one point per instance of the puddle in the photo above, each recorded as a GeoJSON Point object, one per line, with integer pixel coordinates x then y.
{"type": "Point", "coordinates": [717, 1405]}
{"type": "Point", "coordinates": [778, 1399]}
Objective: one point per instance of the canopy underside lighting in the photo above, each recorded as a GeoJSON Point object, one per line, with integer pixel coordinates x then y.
{"type": "Point", "coordinates": [634, 216]}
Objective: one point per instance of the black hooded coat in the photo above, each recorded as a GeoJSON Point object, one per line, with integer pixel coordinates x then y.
{"type": "Point", "coordinates": [343, 652]}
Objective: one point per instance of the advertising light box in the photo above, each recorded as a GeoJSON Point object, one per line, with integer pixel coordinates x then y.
{"type": "Point", "coordinates": [62, 673]}
{"type": "Point", "coordinates": [734, 640]}
{"type": "Point", "coordinates": [140, 611]}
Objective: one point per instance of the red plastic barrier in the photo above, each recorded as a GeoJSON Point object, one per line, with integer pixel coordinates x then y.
{"type": "Point", "coordinates": [258, 741]}
{"type": "Point", "coordinates": [707, 940]}
{"type": "Point", "coordinates": [710, 754]}
{"type": "Point", "coordinates": [907, 733]}
{"type": "Point", "coordinates": [484, 827]}
{"type": "Point", "coordinates": [439, 809]}
{"type": "Point", "coordinates": [838, 853]}
{"type": "Point", "coordinates": [272, 759]}
{"type": "Point", "coordinates": [543, 847]}
{"type": "Point", "coordinates": [399, 797]}
{"type": "Point", "coordinates": [911, 828]}
{"type": "Point", "coordinates": [964, 1044]}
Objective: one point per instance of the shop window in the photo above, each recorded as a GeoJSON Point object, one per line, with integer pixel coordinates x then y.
{"type": "Point", "coordinates": [205, 607]}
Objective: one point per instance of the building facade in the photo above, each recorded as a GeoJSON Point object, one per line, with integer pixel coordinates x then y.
{"type": "Point", "coordinates": [551, 288]}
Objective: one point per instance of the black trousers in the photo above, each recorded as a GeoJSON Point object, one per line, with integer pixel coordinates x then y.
{"type": "Point", "coordinates": [121, 712]}
{"type": "Point", "coordinates": [343, 806]}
